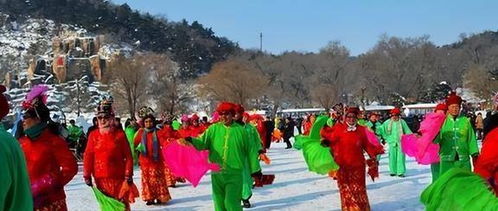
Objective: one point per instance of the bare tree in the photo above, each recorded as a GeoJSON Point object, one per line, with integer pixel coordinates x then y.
{"type": "Point", "coordinates": [128, 77]}
{"type": "Point", "coordinates": [166, 86]}
{"type": "Point", "coordinates": [481, 81]}
{"type": "Point", "coordinates": [324, 95]}
{"type": "Point", "coordinates": [234, 81]}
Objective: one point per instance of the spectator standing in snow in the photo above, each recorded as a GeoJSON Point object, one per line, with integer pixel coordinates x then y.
{"type": "Point", "coordinates": [479, 125]}
{"type": "Point", "coordinates": [288, 131]}
{"type": "Point", "coordinates": [491, 121]}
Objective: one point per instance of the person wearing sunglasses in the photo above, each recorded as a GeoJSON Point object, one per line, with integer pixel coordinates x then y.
{"type": "Point", "coordinates": [228, 147]}
{"type": "Point", "coordinates": [51, 165]}
{"type": "Point", "coordinates": [348, 142]}
{"type": "Point", "coordinates": [391, 131]}
{"type": "Point", "coordinates": [15, 193]}
{"type": "Point", "coordinates": [108, 156]}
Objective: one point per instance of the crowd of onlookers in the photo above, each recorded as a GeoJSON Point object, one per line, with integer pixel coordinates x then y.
{"type": "Point", "coordinates": [277, 129]}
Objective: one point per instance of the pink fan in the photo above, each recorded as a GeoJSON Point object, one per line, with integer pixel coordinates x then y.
{"type": "Point", "coordinates": [372, 138]}
{"type": "Point", "coordinates": [422, 148]}
{"type": "Point", "coordinates": [187, 162]}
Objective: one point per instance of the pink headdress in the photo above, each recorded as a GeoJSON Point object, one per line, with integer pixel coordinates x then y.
{"type": "Point", "coordinates": [35, 96]}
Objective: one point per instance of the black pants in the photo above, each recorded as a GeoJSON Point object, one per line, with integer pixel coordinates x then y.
{"type": "Point", "coordinates": [287, 141]}
{"type": "Point", "coordinates": [268, 141]}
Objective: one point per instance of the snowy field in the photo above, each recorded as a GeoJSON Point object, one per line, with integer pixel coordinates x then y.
{"type": "Point", "coordinates": [294, 189]}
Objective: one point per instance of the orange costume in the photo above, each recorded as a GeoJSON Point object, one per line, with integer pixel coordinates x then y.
{"type": "Point", "coordinates": [154, 170]}
{"type": "Point", "coordinates": [108, 159]}
{"type": "Point", "coordinates": [50, 167]}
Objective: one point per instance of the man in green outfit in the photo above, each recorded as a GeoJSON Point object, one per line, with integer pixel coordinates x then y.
{"type": "Point", "coordinates": [228, 147]}
{"type": "Point", "coordinates": [15, 190]}
{"type": "Point", "coordinates": [391, 131]}
{"type": "Point", "coordinates": [457, 139]}
{"type": "Point", "coordinates": [255, 147]}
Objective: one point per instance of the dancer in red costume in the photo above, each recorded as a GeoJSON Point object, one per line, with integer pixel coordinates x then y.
{"type": "Point", "coordinates": [107, 156]}
{"type": "Point", "coordinates": [348, 141]}
{"type": "Point", "coordinates": [50, 163]}
{"type": "Point", "coordinates": [487, 162]}
{"type": "Point", "coordinates": [154, 178]}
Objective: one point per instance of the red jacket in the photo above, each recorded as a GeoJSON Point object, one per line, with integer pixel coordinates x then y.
{"type": "Point", "coordinates": [307, 127]}
{"type": "Point", "coordinates": [487, 163]}
{"type": "Point", "coordinates": [348, 146]}
{"type": "Point", "coordinates": [191, 131]}
{"type": "Point", "coordinates": [50, 166]}
{"type": "Point", "coordinates": [108, 155]}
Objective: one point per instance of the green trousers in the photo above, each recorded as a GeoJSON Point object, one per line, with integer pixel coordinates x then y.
{"type": "Point", "coordinates": [435, 171]}
{"type": "Point", "coordinates": [396, 160]}
{"type": "Point", "coordinates": [247, 182]}
{"type": "Point", "coordinates": [227, 191]}
{"type": "Point", "coordinates": [444, 166]}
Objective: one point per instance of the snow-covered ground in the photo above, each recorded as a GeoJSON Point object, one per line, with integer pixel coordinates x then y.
{"type": "Point", "coordinates": [295, 188]}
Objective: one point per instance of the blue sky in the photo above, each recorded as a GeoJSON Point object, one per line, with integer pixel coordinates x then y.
{"type": "Point", "coordinates": [309, 25]}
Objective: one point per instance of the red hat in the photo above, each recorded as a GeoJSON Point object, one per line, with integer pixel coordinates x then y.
{"type": "Point", "coordinates": [453, 99]}
{"type": "Point", "coordinates": [395, 111]}
{"type": "Point", "coordinates": [354, 110]}
{"type": "Point", "coordinates": [239, 108]}
{"type": "Point", "coordinates": [4, 105]}
{"type": "Point", "coordinates": [441, 107]}
{"type": "Point", "coordinates": [226, 107]}
{"type": "Point", "coordinates": [256, 117]}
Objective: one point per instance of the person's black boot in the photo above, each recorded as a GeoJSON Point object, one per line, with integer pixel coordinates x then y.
{"type": "Point", "coordinates": [246, 203]}
{"type": "Point", "coordinates": [148, 203]}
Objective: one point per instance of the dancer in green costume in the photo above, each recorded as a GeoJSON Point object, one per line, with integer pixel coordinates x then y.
{"type": "Point", "coordinates": [228, 147]}
{"type": "Point", "coordinates": [391, 131]}
{"type": "Point", "coordinates": [15, 190]}
{"type": "Point", "coordinates": [255, 147]}
{"type": "Point", "coordinates": [457, 139]}
{"type": "Point", "coordinates": [459, 190]}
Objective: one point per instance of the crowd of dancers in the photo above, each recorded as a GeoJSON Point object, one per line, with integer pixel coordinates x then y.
{"type": "Point", "coordinates": [342, 144]}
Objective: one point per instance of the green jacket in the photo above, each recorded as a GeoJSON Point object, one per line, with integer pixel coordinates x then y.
{"type": "Point", "coordinates": [391, 131]}
{"type": "Point", "coordinates": [130, 133]}
{"type": "Point", "coordinates": [74, 132]}
{"type": "Point", "coordinates": [457, 138]}
{"type": "Point", "coordinates": [254, 139]}
{"type": "Point", "coordinates": [176, 125]}
{"type": "Point", "coordinates": [362, 122]}
{"type": "Point", "coordinates": [378, 127]}
{"type": "Point", "coordinates": [15, 190]}
{"type": "Point", "coordinates": [228, 147]}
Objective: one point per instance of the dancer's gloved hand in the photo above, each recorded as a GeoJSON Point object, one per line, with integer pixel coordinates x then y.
{"type": "Point", "coordinates": [325, 143]}
{"type": "Point", "coordinates": [257, 175]}
{"type": "Point", "coordinates": [88, 181]}
{"type": "Point", "coordinates": [373, 168]}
